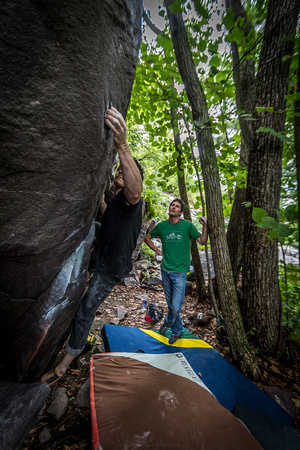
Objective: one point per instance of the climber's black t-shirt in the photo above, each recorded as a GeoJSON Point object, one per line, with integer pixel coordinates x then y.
{"type": "Point", "coordinates": [120, 228]}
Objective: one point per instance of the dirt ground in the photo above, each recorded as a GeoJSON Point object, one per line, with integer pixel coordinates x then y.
{"type": "Point", "coordinates": [73, 430]}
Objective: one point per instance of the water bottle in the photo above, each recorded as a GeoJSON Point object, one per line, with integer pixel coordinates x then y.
{"type": "Point", "coordinates": [144, 308]}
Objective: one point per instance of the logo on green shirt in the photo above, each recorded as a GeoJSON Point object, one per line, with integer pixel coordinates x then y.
{"type": "Point", "coordinates": [173, 237]}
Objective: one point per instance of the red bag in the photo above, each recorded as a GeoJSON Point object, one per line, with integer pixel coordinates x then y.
{"type": "Point", "coordinates": [148, 318]}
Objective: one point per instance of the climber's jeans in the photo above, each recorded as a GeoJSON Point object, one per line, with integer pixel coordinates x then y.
{"type": "Point", "coordinates": [174, 284]}
{"type": "Point", "coordinates": [100, 287]}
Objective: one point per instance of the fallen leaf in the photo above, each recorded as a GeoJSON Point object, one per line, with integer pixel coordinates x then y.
{"type": "Point", "coordinates": [275, 369]}
{"type": "Point", "coordinates": [297, 402]}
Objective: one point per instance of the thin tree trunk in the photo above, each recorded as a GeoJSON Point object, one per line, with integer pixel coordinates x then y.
{"type": "Point", "coordinates": [230, 309]}
{"type": "Point", "coordinates": [200, 281]}
{"type": "Point", "coordinates": [260, 270]}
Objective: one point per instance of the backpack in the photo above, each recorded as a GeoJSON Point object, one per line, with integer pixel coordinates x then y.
{"type": "Point", "coordinates": [151, 315]}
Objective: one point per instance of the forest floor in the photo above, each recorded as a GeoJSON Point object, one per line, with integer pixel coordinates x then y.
{"type": "Point", "coordinates": [73, 429]}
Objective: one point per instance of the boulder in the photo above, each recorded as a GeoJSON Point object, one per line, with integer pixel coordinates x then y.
{"type": "Point", "coordinates": [20, 404]}
{"type": "Point", "coordinates": [63, 64]}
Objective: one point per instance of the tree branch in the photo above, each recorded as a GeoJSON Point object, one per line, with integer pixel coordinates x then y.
{"type": "Point", "coordinates": [150, 24]}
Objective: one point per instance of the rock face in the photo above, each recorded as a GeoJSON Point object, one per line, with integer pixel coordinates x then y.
{"type": "Point", "coordinates": [62, 65]}
{"type": "Point", "coordinates": [20, 403]}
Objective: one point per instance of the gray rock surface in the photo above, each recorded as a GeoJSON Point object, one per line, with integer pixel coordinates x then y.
{"type": "Point", "coordinates": [83, 396]}
{"type": "Point", "coordinates": [62, 65]}
{"type": "Point", "coordinates": [121, 313]}
{"type": "Point", "coordinates": [59, 404]}
{"type": "Point", "coordinates": [44, 435]}
{"type": "Point", "coordinates": [20, 404]}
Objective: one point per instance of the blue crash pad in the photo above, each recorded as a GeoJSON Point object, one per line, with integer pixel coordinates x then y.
{"type": "Point", "coordinates": [228, 384]}
{"type": "Point", "coordinates": [271, 434]}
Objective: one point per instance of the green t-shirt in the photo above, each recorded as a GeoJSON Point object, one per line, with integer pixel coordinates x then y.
{"type": "Point", "coordinates": [176, 244]}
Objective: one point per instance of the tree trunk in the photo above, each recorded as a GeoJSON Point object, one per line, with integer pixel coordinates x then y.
{"type": "Point", "coordinates": [244, 80]}
{"type": "Point", "coordinates": [297, 147]}
{"type": "Point", "coordinates": [262, 297]}
{"type": "Point", "coordinates": [233, 322]}
{"type": "Point", "coordinates": [200, 281]}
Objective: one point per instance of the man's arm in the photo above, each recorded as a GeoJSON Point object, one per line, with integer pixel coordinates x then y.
{"type": "Point", "coordinates": [102, 206]}
{"type": "Point", "coordinates": [148, 240]}
{"type": "Point", "coordinates": [131, 174]}
{"type": "Point", "coordinates": [204, 236]}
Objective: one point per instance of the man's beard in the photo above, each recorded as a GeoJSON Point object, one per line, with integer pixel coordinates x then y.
{"type": "Point", "coordinates": [119, 182]}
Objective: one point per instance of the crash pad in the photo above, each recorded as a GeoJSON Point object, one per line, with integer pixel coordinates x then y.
{"type": "Point", "coordinates": [156, 401]}
{"type": "Point", "coordinates": [271, 434]}
{"type": "Point", "coordinates": [227, 383]}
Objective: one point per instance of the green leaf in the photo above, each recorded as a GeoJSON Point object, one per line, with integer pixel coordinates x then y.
{"type": "Point", "coordinates": [213, 47]}
{"type": "Point", "coordinates": [215, 61]}
{"type": "Point", "coordinates": [203, 59]}
{"type": "Point", "coordinates": [202, 46]}
{"type": "Point", "coordinates": [228, 21]}
{"type": "Point", "coordinates": [272, 234]}
{"type": "Point", "coordinates": [213, 70]}
{"type": "Point", "coordinates": [247, 204]}
{"type": "Point", "coordinates": [291, 213]}
{"type": "Point", "coordinates": [238, 34]}
{"type": "Point", "coordinates": [175, 7]}
{"type": "Point", "coordinates": [268, 223]}
{"type": "Point", "coordinates": [258, 214]}
{"type": "Point", "coordinates": [220, 77]}
{"type": "Point", "coordinates": [279, 135]}
{"type": "Point", "coordinates": [286, 57]}
{"type": "Point", "coordinates": [173, 92]}
{"type": "Point", "coordinates": [285, 230]}
{"type": "Point", "coordinates": [199, 124]}
{"type": "Point", "coordinates": [160, 40]}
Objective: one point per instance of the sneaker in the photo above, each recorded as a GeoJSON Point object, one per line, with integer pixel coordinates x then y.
{"type": "Point", "coordinates": [51, 377]}
{"type": "Point", "coordinates": [174, 338]}
{"type": "Point", "coordinates": [90, 342]}
{"type": "Point", "coordinates": [163, 329]}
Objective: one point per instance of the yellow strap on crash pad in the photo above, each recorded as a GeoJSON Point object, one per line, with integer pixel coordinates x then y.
{"type": "Point", "coordinates": [181, 342]}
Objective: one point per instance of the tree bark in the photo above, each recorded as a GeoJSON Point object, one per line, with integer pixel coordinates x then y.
{"type": "Point", "coordinates": [263, 306]}
{"type": "Point", "coordinates": [297, 147]}
{"type": "Point", "coordinates": [244, 80]}
{"type": "Point", "coordinates": [230, 309]}
{"type": "Point", "coordinates": [200, 281]}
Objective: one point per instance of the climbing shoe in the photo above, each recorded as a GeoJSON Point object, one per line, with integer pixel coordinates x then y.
{"type": "Point", "coordinates": [174, 338]}
{"type": "Point", "coordinates": [163, 329]}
